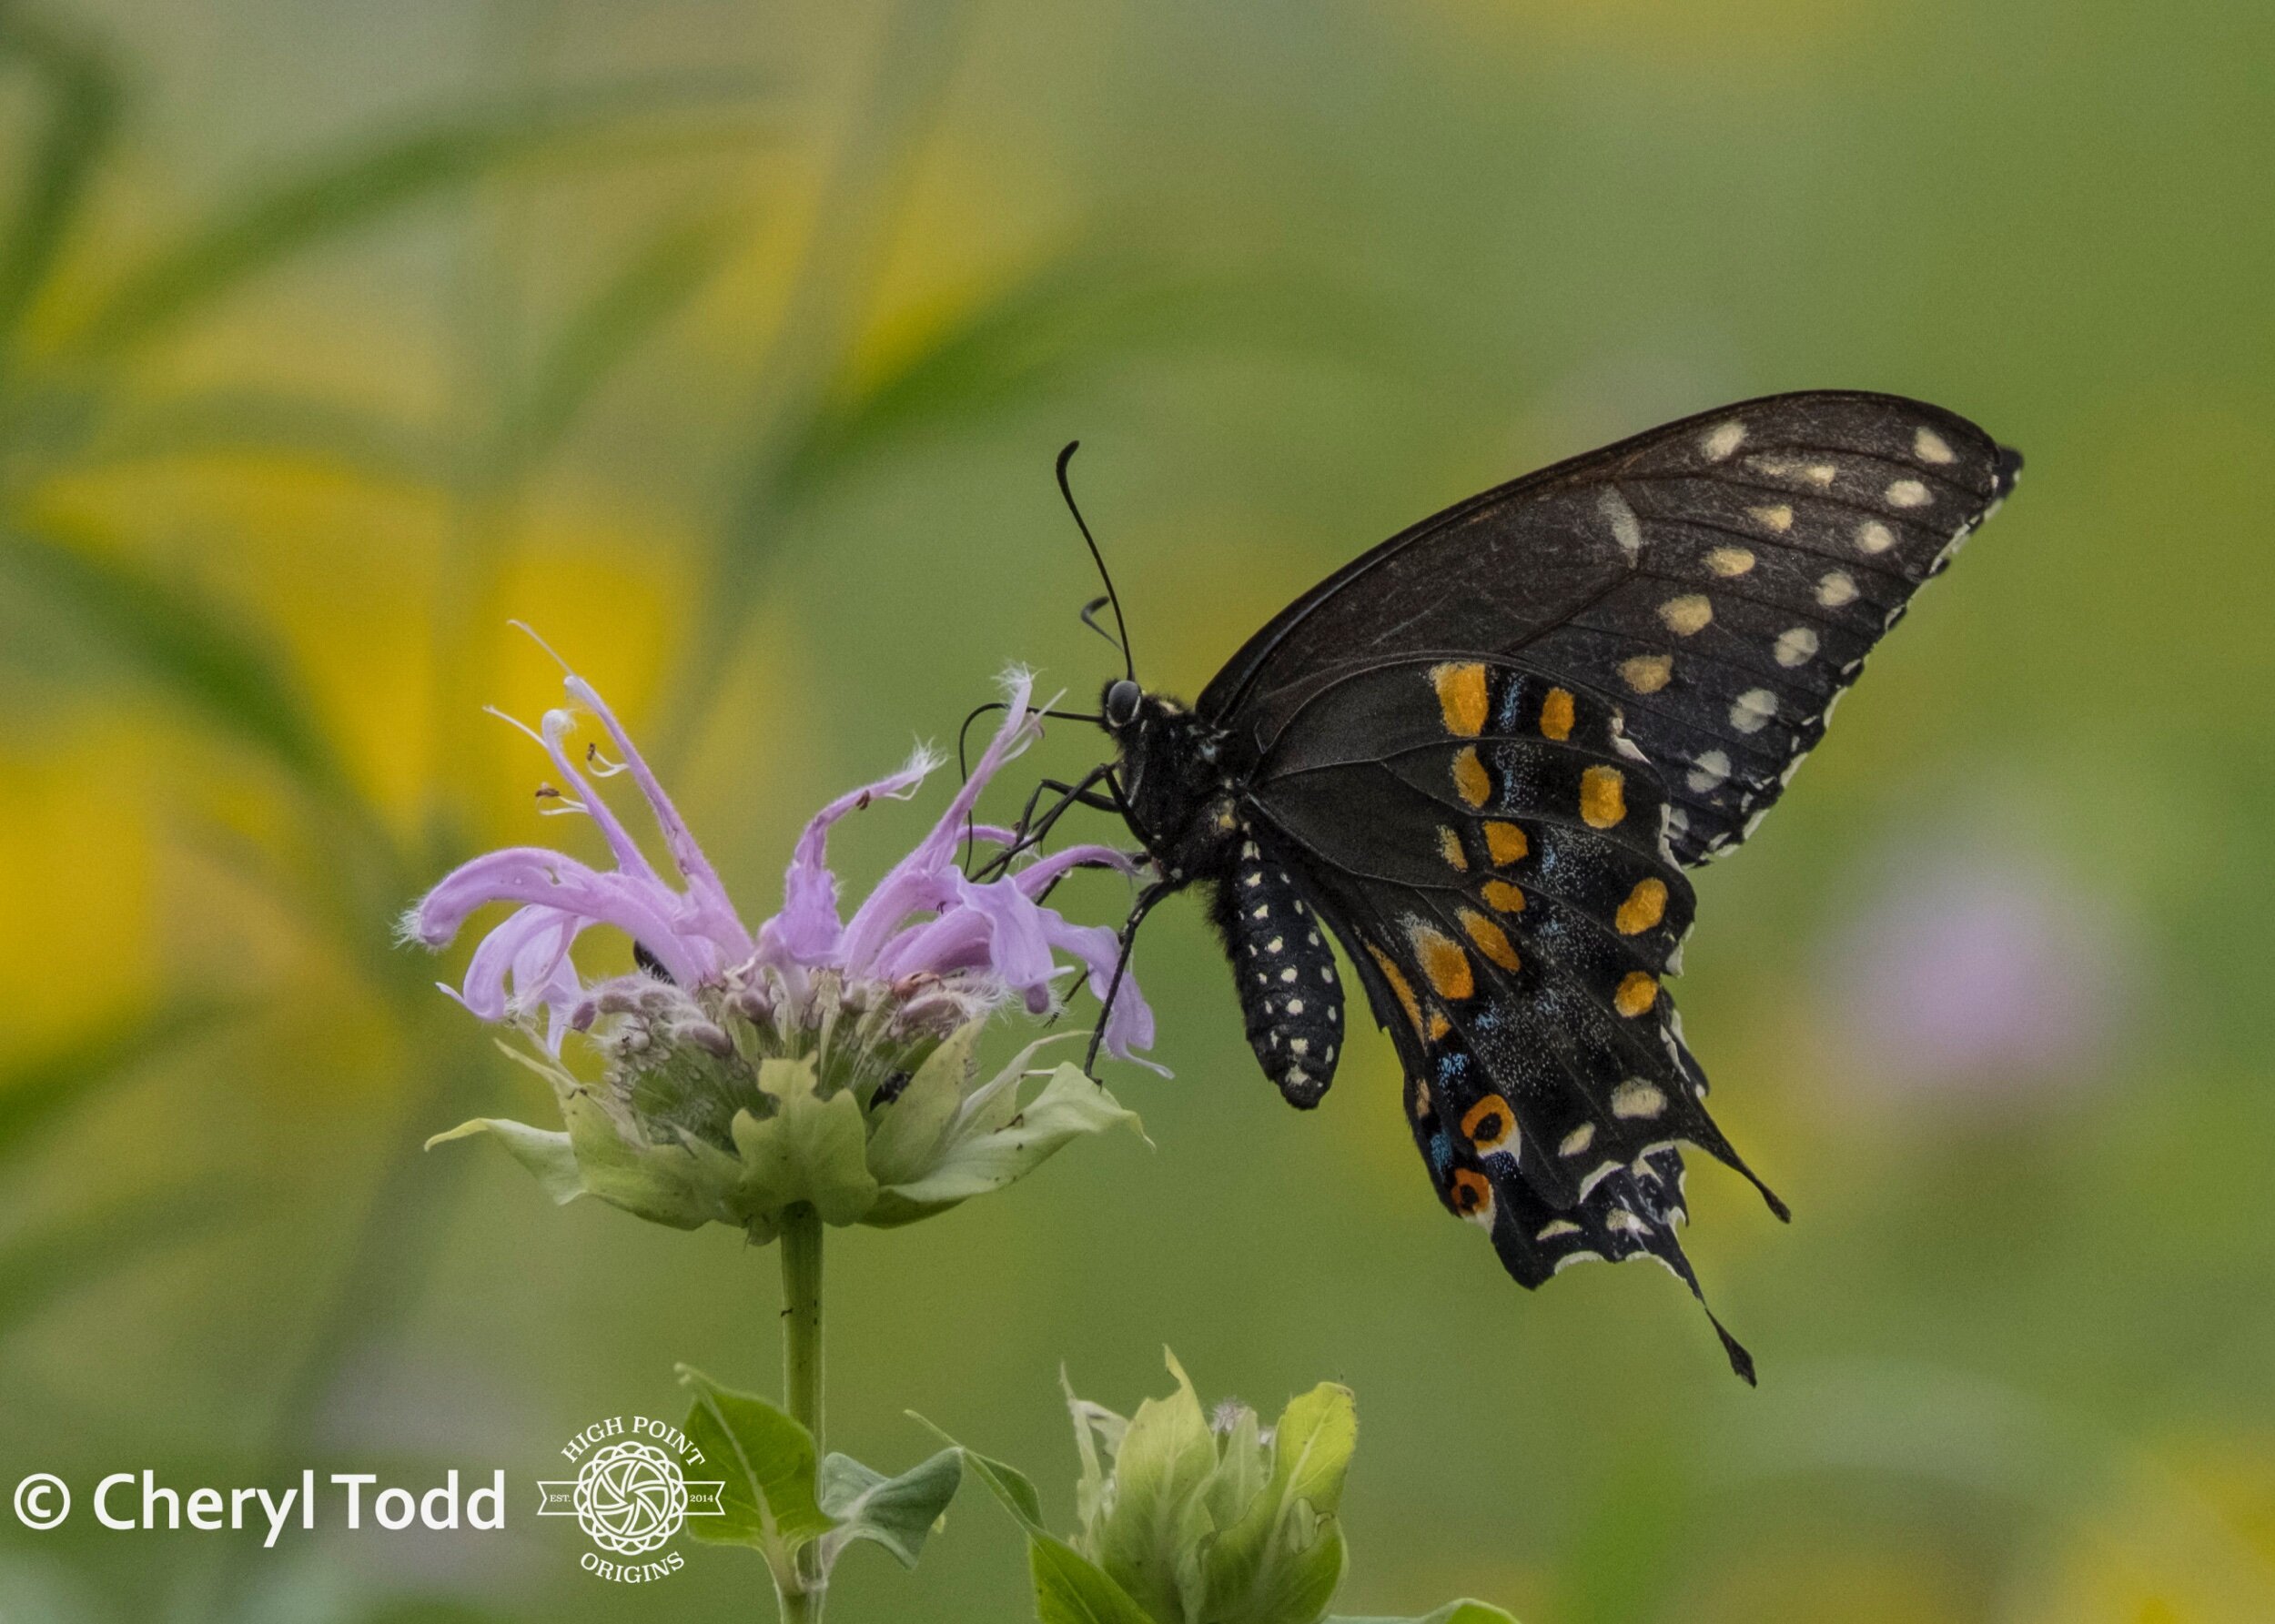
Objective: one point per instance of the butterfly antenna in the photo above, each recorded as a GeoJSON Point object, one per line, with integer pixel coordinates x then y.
{"type": "Point", "coordinates": [964, 772]}
{"type": "Point", "coordinates": [1089, 618]}
{"type": "Point", "coordinates": [1129, 666]}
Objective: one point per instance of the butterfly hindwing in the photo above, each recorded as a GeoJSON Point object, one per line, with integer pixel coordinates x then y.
{"type": "Point", "coordinates": [1477, 1157]}
{"type": "Point", "coordinates": [1492, 851]}
{"type": "Point", "coordinates": [1497, 854]}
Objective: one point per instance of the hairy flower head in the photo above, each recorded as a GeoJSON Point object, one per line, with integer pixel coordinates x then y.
{"type": "Point", "coordinates": [818, 1058]}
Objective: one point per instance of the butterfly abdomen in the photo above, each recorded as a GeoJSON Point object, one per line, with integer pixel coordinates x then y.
{"type": "Point", "coordinates": [1285, 971]}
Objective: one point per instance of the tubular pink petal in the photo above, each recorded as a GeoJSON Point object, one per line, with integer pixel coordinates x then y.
{"type": "Point", "coordinates": [1018, 731]}
{"type": "Point", "coordinates": [642, 909]}
{"type": "Point", "coordinates": [1018, 950]}
{"type": "Point", "coordinates": [1130, 1026]}
{"type": "Point", "coordinates": [874, 944]}
{"type": "Point", "coordinates": [807, 929]}
{"type": "Point", "coordinates": [621, 844]}
{"type": "Point", "coordinates": [441, 913]}
{"type": "Point", "coordinates": [720, 920]}
{"type": "Point", "coordinates": [519, 953]}
{"type": "Point", "coordinates": [951, 943]}
{"type": "Point", "coordinates": [561, 995]}
{"type": "Point", "coordinates": [886, 907]}
{"type": "Point", "coordinates": [1032, 879]}
{"type": "Point", "coordinates": [909, 886]}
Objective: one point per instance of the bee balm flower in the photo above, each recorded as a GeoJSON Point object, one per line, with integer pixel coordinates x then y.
{"type": "Point", "coordinates": [817, 1059]}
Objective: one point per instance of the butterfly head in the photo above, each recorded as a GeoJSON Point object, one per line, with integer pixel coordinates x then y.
{"type": "Point", "coordinates": [1120, 705]}
{"type": "Point", "coordinates": [1133, 718]}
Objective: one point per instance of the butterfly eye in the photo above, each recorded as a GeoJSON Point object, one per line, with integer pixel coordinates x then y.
{"type": "Point", "coordinates": [1121, 703]}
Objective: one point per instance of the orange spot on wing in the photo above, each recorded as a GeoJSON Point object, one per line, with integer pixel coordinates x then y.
{"type": "Point", "coordinates": [1503, 897]}
{"type": "Point", "coordinates": [1471, 1194]}
{"type": "Point", "coordinates": [1400, 987]}
{"type": "Point", "coordinates": [1489, 1124]}
{"type": "Point", "coordinates": [1636, 993]}
{"type": "Point", "coordinates": [1461, 697]}
{"type": "Point", "coordinates": [1602, 796]}
{"type": "Point", "coordinates": [1443, 964]}
{"type": "Point", "coordinates": [1505, 843]}
{"type": "Point", "coordinates": [1491, 939]}
{"type": "Point", "coordinates": [1439, 1026]}
{"type": "Point", "coordinates": [1645, 906]}
{"type": "Point", "coordinates": [1471, 780]}
{"type": "Point", "coordinates": [1450, 848]}
{"type": "Point", "coordinates": [1556, 714]}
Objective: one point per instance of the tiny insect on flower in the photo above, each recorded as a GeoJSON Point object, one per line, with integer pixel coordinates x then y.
{"type": "Point", "coordinates": [817, 1059]}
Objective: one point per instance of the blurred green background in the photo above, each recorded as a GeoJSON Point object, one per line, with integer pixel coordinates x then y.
{"type": "Point", "coordinates": [729, 345]}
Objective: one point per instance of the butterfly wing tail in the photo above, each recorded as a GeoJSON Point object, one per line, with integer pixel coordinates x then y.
{"type": "Point", "coordinates": [1632, 1213]}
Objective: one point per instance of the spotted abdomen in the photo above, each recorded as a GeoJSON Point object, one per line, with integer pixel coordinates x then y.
{"type": "Point", "coordinates": [1285, 970]}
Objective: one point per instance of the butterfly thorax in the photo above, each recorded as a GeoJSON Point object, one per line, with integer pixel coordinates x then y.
{"type": "Point", "coordinates": [1181, 798]}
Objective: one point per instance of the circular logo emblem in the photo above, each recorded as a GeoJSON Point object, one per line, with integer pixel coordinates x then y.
{"type": "Point", "coordinates": [631, 1497]}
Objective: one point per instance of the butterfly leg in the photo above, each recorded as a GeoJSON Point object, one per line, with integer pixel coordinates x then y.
{"type": "Point", "coordinates": [1144, 905]}
{"type": "Point", "coordinates": [1030, 831]}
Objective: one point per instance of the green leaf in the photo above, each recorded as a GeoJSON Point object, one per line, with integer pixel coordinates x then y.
{"type": "Point", "coordinates": [995, 1102]}
{"type": "Point", "coordinates": [1159, 1515]}
{"type": "Point", "coordinates": [1098, 1434]}
{"type": "Point", "coordinates": [373, 179]}
{"type": "Point", "coordinates": [1006, 1483]}
{"type": "Point", "coordinates": [1453, 1612]}
{"type": "Point", "coordinates": [236, 421]}
{"type": "Point", "coordinates": [1282, 1558]}
{"type": "Point", "coordinates": [1070, 1589]}
{"type": "Point", "coordinates": [650, 288]}
{"type": "Point", "coordinates": [85, 96]}
{"type": "Point", "coordinates": [675, 1185]}
{"type": "Point", "coordinates": [897, 1513]}
{"type": "Point", "coordinates": [184, 649]}
{"type": "Point", "coordinates": [1243, 1468]}
{"type": "Point", "coordinates": [53, 1259]}
{"type": "Point", "coordinates": [546, 1155]}
{"type": "Point", "coordinates": [767, 1460]}
{"type": "Point", "coordinates": [972, 1164]}
{"type": "Point", "coordinates": [684, 1186]}
{"type": "Point", "coordinates": [37, 1092]}
{"type": "Point", "coordinates": [810, 1149]}
{"type": "Point", "coordinates": [909, 1130]}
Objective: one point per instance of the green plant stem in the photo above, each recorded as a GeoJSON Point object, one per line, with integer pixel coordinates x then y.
{"type": "Point", "coordinates": [801, 1245]}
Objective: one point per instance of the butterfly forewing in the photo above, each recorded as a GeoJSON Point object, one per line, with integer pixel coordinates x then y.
{"type": "Point", "coordinates": [1778, 542]}
{"type": "Point", "coordinates": [1721, 579]}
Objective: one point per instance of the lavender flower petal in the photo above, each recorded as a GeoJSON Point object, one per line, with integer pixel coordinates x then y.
{"type": "Point", "coordinates": [807, 929]}
{"type": "Point", "coordinates": [1129, 1025]}
{"type": "Point", "coordinates": [713, 914]}
{"type": "Point", "coordinates": [534, 876]}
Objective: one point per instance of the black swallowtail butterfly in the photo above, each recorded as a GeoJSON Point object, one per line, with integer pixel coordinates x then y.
{"type": "Point", "coordinates": [1482, 756]}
